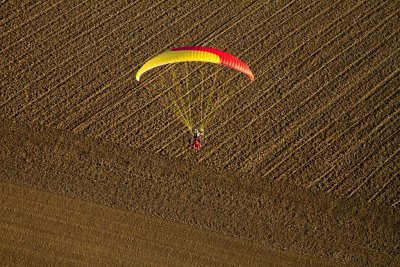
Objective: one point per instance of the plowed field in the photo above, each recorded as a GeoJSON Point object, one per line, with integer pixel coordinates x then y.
{"type": "Point", "coordinates": [304, 159]}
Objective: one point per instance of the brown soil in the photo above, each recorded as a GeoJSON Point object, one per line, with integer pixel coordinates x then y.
{"type": "Point", "coordinates": [91, 234]}
{"type": "Point", "coordinates": [305, 159]}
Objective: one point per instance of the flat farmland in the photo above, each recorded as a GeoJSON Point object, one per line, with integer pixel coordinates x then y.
{"type": "Point", "coordinates": [320, 119]}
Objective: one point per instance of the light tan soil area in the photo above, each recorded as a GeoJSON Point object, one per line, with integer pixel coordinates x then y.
{"type": "Point", "coordinates": [91, 234]}
{"type": "Point", "coordinates": [305, 159]}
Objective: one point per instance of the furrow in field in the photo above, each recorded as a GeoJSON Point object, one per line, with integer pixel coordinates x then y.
{"type": "Point", "coordinates": [58, 45]}
{"type": "Point", "coordinates": [295, 136]}
{"type": "Point", "coordinates": [348, 124]}
{"type": "Point", "coordinates": [359, 154]}
{"type": "Point", "coordinates": [11, 51]}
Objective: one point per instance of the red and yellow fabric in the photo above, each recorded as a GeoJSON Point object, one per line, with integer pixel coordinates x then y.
{"type": "Point", "coordinates": [196, 53]}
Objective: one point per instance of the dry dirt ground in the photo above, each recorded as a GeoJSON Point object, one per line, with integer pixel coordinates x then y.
{"type": "Point", "coordinates": [304, 162]}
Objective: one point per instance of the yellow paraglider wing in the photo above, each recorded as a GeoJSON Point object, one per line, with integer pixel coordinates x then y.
{"type": "Point", "coordinates": [177, 56]}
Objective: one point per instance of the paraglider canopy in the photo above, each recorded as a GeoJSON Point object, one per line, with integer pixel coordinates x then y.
{"type": "Point", "coordinates": [196, 53]}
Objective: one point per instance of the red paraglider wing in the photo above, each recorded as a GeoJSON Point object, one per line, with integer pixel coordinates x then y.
{"type": "Point", "coordinates": [225, 58]}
